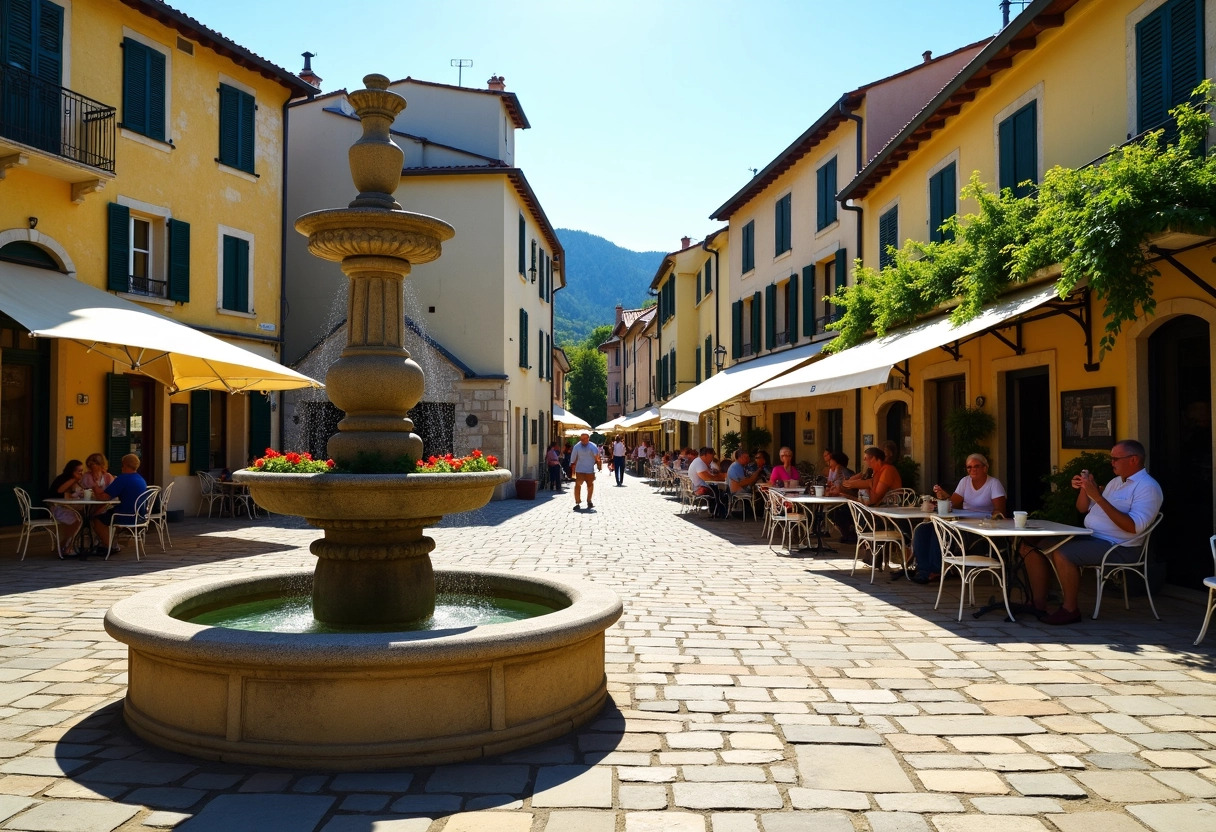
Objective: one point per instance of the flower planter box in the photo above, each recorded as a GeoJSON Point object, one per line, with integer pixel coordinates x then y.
{"type": "Point", "coordinates": [525, 489]}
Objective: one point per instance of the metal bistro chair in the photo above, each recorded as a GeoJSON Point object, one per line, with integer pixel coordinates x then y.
{"type": "Point", "coordinates": [30, 523]}
{"type": "Point", "coordinates": [741, 499]}
{"type": "Point", "coordinates": [1210, 583]}
{"type": "Point", "coordinates": [159, 516]}
{"type": "Point", "coordinates": [135, 524]}
{"type": "Point", "coordinates": [787, 519]}
{"type": "Point", "coordinates": [900, 497]}
{"type": "Point", "coordinates": [1112, 569]}
{"type": "Point", "coordinates": [209, 492]}
{"type": "Point", "coordinates": [969, 566]}
{"type": "Point", "coordinates": [875, 534]}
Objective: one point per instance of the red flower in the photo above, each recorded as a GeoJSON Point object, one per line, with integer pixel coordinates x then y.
{"type": "Point", "coordinates": [271, 453]}
{"type": "Point", "coordinates": [260, 463]}
{"type": "Point", "coordinates": [307, 455]}
{"type": "Point", "coordinates": [476, 453]}
{"type": "Point", "coordinates": [493, 460]}
{"type": "Point", "coordinates": [330, 463]}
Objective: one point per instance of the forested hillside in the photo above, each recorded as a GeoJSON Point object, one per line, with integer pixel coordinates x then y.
{"type": "Point", "coordinates": [599, 275]}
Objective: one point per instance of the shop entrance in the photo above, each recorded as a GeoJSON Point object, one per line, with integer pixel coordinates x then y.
{"type": "Point", "coordinates": [1180, 436]}
{"type": "Point", "coordinates": [142, 426]}
{"type": "Point", "coordinates": [899, 427]}
{"type": "Point", "coordinates": [949, 394]}
{"type": "Point", "coordinates": [24, 405]}
{"type": "Point", "coordinates": [1027, 438]}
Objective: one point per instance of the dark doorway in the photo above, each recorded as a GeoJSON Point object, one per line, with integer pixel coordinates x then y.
{"type": "Point", "coordinates": [949, 394]}
{"type": "Point", "coordinates": [1027, 437]}
{"type": "Point", "coordinates": [787, 432]}
{"type": "Point", "coordinates": [899, 427]}
{"type": "Point", "coordinates": [833, 429]}
{"type": "Point", "coordinates": [435, 423]}
{"type": "Point", "coordinates": [24, 405]}
{"type": "Point", "coordinates": [145, 393]}
{"type": "Point", "coordinates": [1180, 435]}
{"type": "Point", "coordinates": [685, 440]}
{"type": "Point", "coordinates": [320, 421]}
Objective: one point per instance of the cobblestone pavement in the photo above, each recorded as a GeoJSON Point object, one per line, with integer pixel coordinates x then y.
{"type": "Point", "coordinates": [751, 693]}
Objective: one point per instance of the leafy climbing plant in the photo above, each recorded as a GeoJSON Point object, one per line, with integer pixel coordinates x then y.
{"type": "Point", "coordinates": [1093, 221]}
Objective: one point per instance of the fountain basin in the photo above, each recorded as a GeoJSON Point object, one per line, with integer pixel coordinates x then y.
{"type": "Point", "coordinates": [351, 701]}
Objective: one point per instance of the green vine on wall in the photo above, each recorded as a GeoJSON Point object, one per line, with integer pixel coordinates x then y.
{"type": "Point", "coordinates": [1092, 221]}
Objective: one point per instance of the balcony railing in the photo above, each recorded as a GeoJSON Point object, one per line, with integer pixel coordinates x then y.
{"type": "Point", "coordinates": [745, 348]}
{"type": "Point", "coordinates": [781, 337]}
{"type": "Point", "coordinates": [147, 286]}
{"type": "Point", "coordinates": [51, 118]}
{"type": "Point", "coordinates": [821, 323]}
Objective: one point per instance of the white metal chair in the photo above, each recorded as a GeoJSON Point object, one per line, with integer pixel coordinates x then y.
{"type": "Point", "coordinates": [743, 500]}
{"type": "Point", "coordinates": [968, 565]}
{"type": "Point", "coordinates": [158, 517]}
{"type": "Point", "coordinates": [136, 524]}
{"type": "Point", "coordinates": [1210, 583]}
{"type": "Point", "coordinates": [209, 492]}
{"type": "Point", "coordinates": [786, 518]}
{"type": "Point", "coordinates": [900, 497]}
{"type": "Point", "coordinates": [875, 534]}
{"type": "Point", "coordinates": [1109, 569]}
{"type": "Point", "coordinates": [31, 521]}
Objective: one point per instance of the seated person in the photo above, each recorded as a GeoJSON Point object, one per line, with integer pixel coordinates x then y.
{"type": "Point", "coordinates": [975, 492]}
{"type": "Point", "coordinates": [700, 473]}
{"type": "Point", "coordinates": [1123, 509]}
{"type": "Point", "coordinates": [764, 465]}
{"type": "Point", "coordinates": [785, 472]}
{"type": "Point", "coordinates": [827, 461]}
{"type": "Point", "coordinates": [737, 478]}
{"type": "Point", "coordinates": [67, 485]}
{"type": "Point", "coordinates": [884, 477]}
{"type": "Point", "coordinates": [125, 488]}
{"type": "Point", "coordinates": [96, 478]}
{"type": "Point", "coordinates": [838, 472]}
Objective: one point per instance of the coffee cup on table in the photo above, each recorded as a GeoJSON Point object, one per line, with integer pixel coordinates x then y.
{"type": "Point", "coordinates": [1019, 519]}
{"type": "Point", "coordinates": [943, 507]}
{"type": "Point", "coordinates": [819, 491]}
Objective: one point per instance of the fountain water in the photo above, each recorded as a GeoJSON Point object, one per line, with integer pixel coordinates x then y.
{"type": "Point", "coordinates": [378, 692]}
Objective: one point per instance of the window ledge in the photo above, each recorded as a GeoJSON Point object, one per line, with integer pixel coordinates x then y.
{"type": "Point", "coordinates": [152, 299]}
{"type": "Point", "coordinates": [155, 144]}
{"type": "Point", "coordinates": [783, 255]}
{"type": "Point", "coordinates": [832, 226]}
{"type": "Point", "coordinates": [237, 172]}
{"type": "Point", "coordinates": [235, 314]}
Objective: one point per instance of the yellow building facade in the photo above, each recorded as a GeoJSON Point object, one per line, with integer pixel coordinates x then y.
{"type": "Point", "coordinates": [142, 156]}
{"type": "Point", "coordinates": [1065, 82]}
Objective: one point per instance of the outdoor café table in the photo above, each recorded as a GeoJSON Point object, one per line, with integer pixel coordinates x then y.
{"type": "Point", "coordinates": [1004, 530]}
{"type": "Point", "coordinates": [230, 492]}
{"type": "Point", "coordinates": [824, 505]}
{"type": "Point", "coordinates": [85, 532]}
{"type": "Point", "coordinates": [915, 515]}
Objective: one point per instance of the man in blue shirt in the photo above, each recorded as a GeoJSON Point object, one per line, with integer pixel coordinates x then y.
{"type": "Point", "coordinates": [125, 488]}
{"type": "Point", "coordinates": [586, 461]}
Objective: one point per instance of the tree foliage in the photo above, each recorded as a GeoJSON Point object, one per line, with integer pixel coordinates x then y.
{"type": "Point", "coordinates": [1093, 222]}
{"type": "Point", "coordinates": [586, 384]}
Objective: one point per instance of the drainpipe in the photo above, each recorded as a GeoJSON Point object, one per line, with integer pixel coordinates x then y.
{"type": "Point", "coordinates": [283, 305]}
{"type": "Point", "coordinates": [860, 150]}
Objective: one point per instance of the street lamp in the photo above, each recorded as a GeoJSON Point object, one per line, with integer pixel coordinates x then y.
{"type": "Point", "coordinates": [719, 357]}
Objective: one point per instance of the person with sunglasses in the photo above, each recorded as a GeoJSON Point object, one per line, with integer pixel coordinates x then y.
{"type": "Point", "coordinates": [1117, 512]}
{"type": "Point", "coordinates": [975, 492]}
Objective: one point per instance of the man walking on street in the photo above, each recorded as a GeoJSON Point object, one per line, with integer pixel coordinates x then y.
{"type": "Point", "coordinates": [584, 461]}
{"type": "Point", "coordinates": [618, 460]}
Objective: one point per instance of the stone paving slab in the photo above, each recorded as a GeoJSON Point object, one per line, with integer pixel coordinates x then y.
{"type": "Point", "coordinates": [749, 693]}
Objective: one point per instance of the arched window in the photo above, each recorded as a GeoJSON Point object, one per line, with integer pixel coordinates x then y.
{"type": "Point", "coordinates": [29, 254]}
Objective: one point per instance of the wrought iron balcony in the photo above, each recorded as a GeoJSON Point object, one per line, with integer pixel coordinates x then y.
{"type": "Point", "coordinates": [56, 120]}
{"type": "Point", "coordinates": [782, 337]}
{"type": "Point", "coordinates": [821, 323]}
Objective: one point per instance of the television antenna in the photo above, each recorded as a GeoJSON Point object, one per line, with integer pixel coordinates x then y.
{"type": "Point", "coordinates": [460, 64]}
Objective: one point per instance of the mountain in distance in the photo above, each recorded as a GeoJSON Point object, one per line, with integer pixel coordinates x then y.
{"type": "Point", "coordinates": [599, 275]}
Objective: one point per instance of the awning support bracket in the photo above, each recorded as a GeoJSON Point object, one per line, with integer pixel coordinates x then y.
{"type": "Point", "coordinates": [1080, 311]}
{"type": "Point", "coordinates": [905, 371]}
{"type": "Point", "coordinates": [1168, 256]}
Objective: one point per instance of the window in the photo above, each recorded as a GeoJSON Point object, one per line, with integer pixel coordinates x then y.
{"type": "Point", "coordinates": [523, 338]}
{"type": "Point", "coordinates": [774, 328]}
{"type": "Point", "coordinates": [237, 114]}
{"type": "Point", "coordinates": [709, 276]}
{"type": "Point", "coordinates": [1019, 150]}
{"type": "Point", "coordinates": [235, 270]}
{"type": "Point", "coordinates": [888, 237]}
{"type": "Point", "coordinates": [523, 245]}
{"type": "Point", "coordinates": [943, 202]}
{"type": "Point", "coordinates": [143, 89]}
{"type": "Point", "coordinates": [825, 194]}
{"type": "Point", "coordinates": [148, 254]}
{"type": "Point", "coordinates": [821, 281]}
{"type": "Point", "coordinates": [1169, 60]}
{"type": "Point", "coordinates": [783, 226]}
{"type": "Point", "coordinates": [749, 247]}
{"type": "Point", "coordinates": [697, 367]}
{"type": "Point", "coordinates": [708, 354]}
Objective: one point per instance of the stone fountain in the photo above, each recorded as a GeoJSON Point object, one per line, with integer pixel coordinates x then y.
{"type": "Point", "coordinates": [398, 695]}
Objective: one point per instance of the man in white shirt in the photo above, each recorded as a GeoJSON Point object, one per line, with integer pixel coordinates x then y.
{"type": "Point", "coordinates": [1123, 509]}
{"type": "Point", "coordinates": [618, 460]}
{"type": "Point", "coordinates": [701, 473]}
{"type": "Point", "coordinates": [584, 461]}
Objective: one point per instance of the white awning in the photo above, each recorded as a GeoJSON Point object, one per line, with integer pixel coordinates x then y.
{"type": "Point", "coordinates": [565, 417]}
{"type": "Point", "coordinates": [634, 420]}
{"type": "Point", "coordinates": [51, 305]}
{"type": "Point", "coordinates": [734, 381]}
{"type": "Point", "coordinates": [871, 362]}
{"type": "Point", "coordinates": [611, 424]}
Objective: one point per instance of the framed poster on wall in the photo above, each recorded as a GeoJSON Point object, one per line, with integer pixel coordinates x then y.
{"type": "Point", "coordinates": [1087, 418]}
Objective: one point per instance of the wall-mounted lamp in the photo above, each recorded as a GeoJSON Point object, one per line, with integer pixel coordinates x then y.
{"type": "Point", "coordinates": [532, 272]}
{"type": "Point", "coordinates": [33, 223]}
{"type": "Point", "coordinates": [82, 398]}
{"type": "Point", "coordinates": [979, 401]}
{"type": "Point", "coordinates": [719, 357]}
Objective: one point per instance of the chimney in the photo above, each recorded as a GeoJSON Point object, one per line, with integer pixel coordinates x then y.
{"type": "Point", "coordinates": [306, 74]}
{"type": "Point", "coordinates": [685, 242]}
{"type": "Point", "coordinates": [620, 313]}
{"type": "Point", "coordinates": [497, 83]}
{"type": "Point", "coordinates": [927, 55]}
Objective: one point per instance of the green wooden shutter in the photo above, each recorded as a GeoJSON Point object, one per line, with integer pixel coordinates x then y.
{"type": "Point", "coordinates": [709, 276]}
{"type": "Point", "coordinates": [782, 225]}
{"type": "Point", "coordinates": [540, 282]}
{"type": "Point", "coordinates": [230, 126]}
{"type": "Point", "coordinates": [540, 353]}
{"type": "Point", "coordinates": [842, 269]}
{"type": "Point", "coordinates": [156, 95]}
{"type": "Point", "coordinates": [118, 258]}
{"type": "Point", "coordinates": [118, 418]}
{"type": "Point", "coordinates": [699, 286]}
{"type": "Point", "coordinates": [1007, 176]}
{"type": "Point", "coordinates": [770, 316]}
{"type": "Point", "coordinates": [1026, 147]}
{"type": "Point", "coordinates": [259, 423]}
{"type": "Point", "coordinates": [757, 329]}
{"type": "Point", "coordinates": [830, 192]}
{"type": "Point", "coordinates": [1186, 48]}
{"type": "Point", "coordinates": [179, 261]}
{"type": "Point", "coordinates": [523, 244]}
{"type": "Point", "coordinates": [229, 289]}
{"type": "Point", "coordinates": [523, 338]}
{"type": "Point", "coordinates": [888, 237]}
{"type": "Point", "coordinates": [200, 430]}
{"type": "Point", "coordinates": [736, 329]}
{"type": "Point", "coordinates": [749, 246]}
{"type": "Point", "coordinates": [808, 299]}
{"type": "Point", "coordinates": [48, 46]}
{"type": "Point", "coordinates": [943, 202]}
{"type": "Point", "coordinates": [134, 86]}
{"type": "Point", "coordinates": [247, 107]}
{"type": "Point", "coordinates": [673, 374]}
{"type": "Point", "coordinates": [825, 194]}
{"type": "Point", "coordinates": [18, 43]}
{"type": "Point", "coordinates": [1151, 81]}
{"type": "Point", "coordinates": [791, 308]}
{"type": "Point", "coordinates": [236, 274]}
{"type": "Point", "coordinates": [709, 356]}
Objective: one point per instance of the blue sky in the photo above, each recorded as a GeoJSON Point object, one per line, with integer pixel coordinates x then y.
{"type": "Point", "coordinates": [646, 116]}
